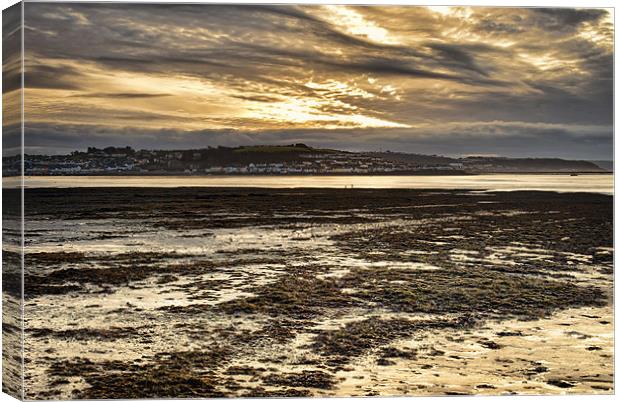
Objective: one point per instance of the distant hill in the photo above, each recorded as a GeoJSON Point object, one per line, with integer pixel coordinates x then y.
{"type": "Point", "coordinates": [223, 156]}
{"type": "Point", "coordinates": [495, 164]}
{"type": "Point", "coordinates": [607, 165]}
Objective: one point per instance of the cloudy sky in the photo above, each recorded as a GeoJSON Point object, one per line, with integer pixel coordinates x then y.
{"type": "Point", "coordinates": [444, 80]}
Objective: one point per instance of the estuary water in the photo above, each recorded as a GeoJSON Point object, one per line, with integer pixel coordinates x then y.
{"type": "Point", "coordinates": [595, 183]}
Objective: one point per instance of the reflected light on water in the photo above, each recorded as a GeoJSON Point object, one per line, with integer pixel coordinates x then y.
{"type": "Point", "coordinates": [598, 183]}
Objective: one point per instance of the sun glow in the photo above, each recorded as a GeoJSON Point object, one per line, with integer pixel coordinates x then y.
{"type": "Point", "coordinates": [600, 33]}
{"type": "Point", "coordinates": [315, 113]}
{"type": "Point", "coordinates": [334, 88]}
{"type": "Point", "coordinates": [452, 11]}
{"type": "Point", "coordinates": [443, 10]}
{"type": "Point", "coordinates": [354, 23]}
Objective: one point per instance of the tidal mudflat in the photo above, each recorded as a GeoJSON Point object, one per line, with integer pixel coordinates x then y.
{"type": "Point", "coordinates": [220, 292]}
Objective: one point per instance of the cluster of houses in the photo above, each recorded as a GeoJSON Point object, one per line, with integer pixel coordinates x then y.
{"type": "Point", "coordinates": [319, 164]}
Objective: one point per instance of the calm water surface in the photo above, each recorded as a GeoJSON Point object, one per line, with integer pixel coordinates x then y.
{"type": "Point", "coordinates": [598, 183]}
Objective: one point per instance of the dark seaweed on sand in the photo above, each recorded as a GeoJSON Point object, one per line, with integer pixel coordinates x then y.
{"type": "Point", "coordinates": [392, 302]}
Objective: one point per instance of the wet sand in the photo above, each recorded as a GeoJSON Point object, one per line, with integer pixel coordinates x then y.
{"type": "Point", "coordinates": [262, 292]}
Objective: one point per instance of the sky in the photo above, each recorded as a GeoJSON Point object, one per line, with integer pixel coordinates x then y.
{"type": "Point", "coordinates": [455, 81]}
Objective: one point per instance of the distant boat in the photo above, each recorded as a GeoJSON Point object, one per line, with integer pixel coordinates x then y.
{"type": "Point", "coordinates": [574, 174]}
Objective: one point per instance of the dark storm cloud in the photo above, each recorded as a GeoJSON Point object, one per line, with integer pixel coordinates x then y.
{"type": "Point", "coordinates": [551, 21]}
{"type": "Point", "coordinates": [121, 95]}
{"type": "Point", "coordinates": [287, 11]}
{"type": "Point", "coordinates": [11, 45]}
{"type": "Point", "coordinates": [487, 25]}
{"type": "Point", "coordinates": [264, 69]}
{"type": "Point", "coordinates": [257, 98]}
{"type": "Point", "coordinates": [12, 139]}
{"type": "Point", "coordinates": [567, 18]}
{"type": "Point", "coordinates": [456, 56]}
{"type": "Point", "coordinates": [49, 77]}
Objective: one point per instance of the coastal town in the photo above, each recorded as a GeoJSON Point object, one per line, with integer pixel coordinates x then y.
{"type": "Point", "coordinates": [295, 159]}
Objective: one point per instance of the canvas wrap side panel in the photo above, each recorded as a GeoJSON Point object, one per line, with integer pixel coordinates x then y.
{"type": "Point", "coordinates": [12, 202]}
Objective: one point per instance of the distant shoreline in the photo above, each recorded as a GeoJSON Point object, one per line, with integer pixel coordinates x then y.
{"type": "Point", "coordinates": [414, 173]}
